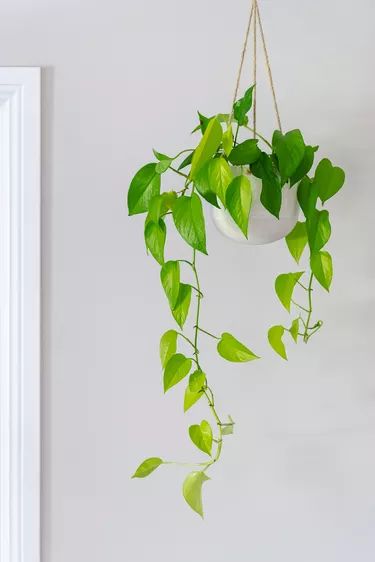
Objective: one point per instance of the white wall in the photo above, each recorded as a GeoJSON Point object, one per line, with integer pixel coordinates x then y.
{"type": "Point", "coordinates": [296, 482]}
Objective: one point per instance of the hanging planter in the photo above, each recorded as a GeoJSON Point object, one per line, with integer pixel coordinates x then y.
{"type": "Point", "coordinates": [256, 188]}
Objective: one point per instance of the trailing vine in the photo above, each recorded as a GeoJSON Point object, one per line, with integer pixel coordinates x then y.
{"type": "Point", "coordinates": [284, 163]}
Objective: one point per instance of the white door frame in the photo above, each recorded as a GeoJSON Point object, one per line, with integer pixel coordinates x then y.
{"type": "Point", "coordinates": [19, 314]}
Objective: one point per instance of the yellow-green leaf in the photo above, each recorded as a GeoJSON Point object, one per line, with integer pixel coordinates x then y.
{"type": "Point", "coordinates": [190, 398]}
{"type": "Point", "coordinates": [181, 308]}
{"type": "Point", "coordinates": [197, 381]}
{"type": "Point", "coordinates": [328, 179]}
{"type": "Point", "coordinates": [176, 369]}
{"type": "Point", "coordinates": [201, 436]}
{"type": "Point", "coordinates": [238, 201]}
{"type": "Point", "coordinates": [296, 240]}
{"type": "Point", "coordinates": [318, 230]}
{"type": "Point", "coordinates": [144, 186]}
{"type": "Point", "coordinates": [170, 279]}
{"type": "Point", "coordinates": [207, 147]}
{"type": "Point", "coordinates": [155, 236]}
{"type": "Point", "coordinates": [321, 266]}
{"type": "Point", "coordinates": [147, 466]}
{"type": "Point", "coordinates": [232, 350]}
{"type": "Point", "coordinates": [168, 346]}
{"type": "Point", "coordinates": [189, 221]}
{"type": "Point", "coordinates": [294, 328]}
{"type": "Point", "coordinates": [284, 287]}
{"type": "Point", "coordinates": [228, 140]}
{"type": "Point", "coordinates": [192, 490]}
{"type": "Point", "coordinates": [275, 335]}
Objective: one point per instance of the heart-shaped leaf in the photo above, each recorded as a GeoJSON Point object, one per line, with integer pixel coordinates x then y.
{"type": "Point", "coordinates": [197, 381]}
{"type": "Point", "coordinates": [321, 266]}
{"type": "Point", "coordinates": [275, 337]}
{"type": "Point", "coordinates": [284, 287]}
{"type": "Point", "coordinates": [147, 466]}
{"type": "Point", "coordinates": [175, 370]}
{"type": "Point", "coordinates": [270, 196]}
{"type": "Point", "coordinates": [201, 436]}
{"type": "Point", "coordinates": [204, 186]}
{"type": "Point", "coordinates": [207, 147]}
{"type": "Point", "coordinates": [319, 230]}
{"type": "Point", "coordinates": [294, 329]}
{"type": "Point", "coordinates": [192, 490]}
{"type": "Point", "coordinates": [170, 279]}
{"type": "Point", "coordinates": [155, 236]}
{"type": "Point", "coordinates": [232, 350]}
{"type": "Point", "coordinates": [168, 346]}
{"type": "Point", "coordinates": [190, 398]}
{"type": "Point", "coordinates": [143, 187]}
{"type": "Point", "coordinates": [328, 179]}
{"type": "Point", "coordinates": [228, 140]}
{"type": "Point", "coordinates": [245, 153]}
{"type": "Point", "coordinates": [181, 308]}
{"type": "Point", "coordinates": [307, 195]}
{"type": "Point", "coordinates": [305, 165]}
{"type": "Point", "coordinates": [290, 150]}
{"type": "Point", "coordinates": [219, 177]}
{"type": "Point", "coordinates": [296, 240]}
{"type": "Point", "coordinates": [242, 106]}
{"type": "Point", "coordinates": [238, 201]}
{"type": "Point", "coordinates": [189, 221]}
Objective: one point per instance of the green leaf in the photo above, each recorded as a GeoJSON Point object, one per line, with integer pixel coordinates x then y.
{"type": "Point", "coordinates": [270, 196]}
{"type": "Point", "coordinates": [160, 155]}
{"type": "Point", "coordinates": [203, 184]}
{"type": "Point", "coordinates": [245, 153]}
{"type": "Point", "coordinates": [232, 350]}
{"type": "Point", "coordinates": [321, 266]}
{"type": "Point", "coordinates": [157, 207]}
{"type": "Point", "coordinates": [197, 381]}
{"type": "Point", "coordinates": [187, 161]}
{"type": "Point", "coordinates": [290, 150]}
{"type": "Point", "coordinates": [219, 177]}
{"type": "Point", "coordinates": [275, 335]}
{"type": "Point", "coordinates": [148, 466]}
{"type": "Point", "coordinates": [163, 165]}
{"type": "Point", "coordinates": [155, 236]}
{"type": "Point", "coordinates": [305, 165]}
{"type": "Point", "coordinates": [170, 279]}
{"type": "Point", "coordinates": [175, 370]}
{"type": "Point", "coordinates": [296, 240]}
{"type": "Point", "coordinates": [181, 308]}
{"type": "Point", "coordinates": [284, 287]}
{"type": "Point", "coordinates": [189, 221]}
{"type": "Point", "coordinates": [207, 147]}
{"type": "Point", "coordinates": [143, 187]}
{"type": "Point", "coordinates": [191, 398]}
{"type": "Point", "coordinates": [201, 436]}
{"type": "Point", "coordinates": [238, 201]}
{"type": "Point", "coordinates": [294, 328]}
{"type": "Point", "coordinates": [192, 490]}
{"type": "Point", "coordinates": [328, 179]}
{"type": "Point", "coordinates": [228, 140]}
{"type": "Point", "coordinates": [307, 195]}
{"type": "Point", "coordinates": [319, 230]}
{"type": "Point", "coordinates": [242, 106]}
{"type": "Point", "coordinates": [168, 346]}
{"type": "Point", "coordinates": [227, 429]}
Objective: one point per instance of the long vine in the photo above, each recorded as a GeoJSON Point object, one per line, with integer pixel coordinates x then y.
{"type": "Point", "coordinates": [211, 178]}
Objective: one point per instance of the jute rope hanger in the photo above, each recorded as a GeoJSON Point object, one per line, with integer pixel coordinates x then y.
{"type": "Point", "coordinates": [255, 18]}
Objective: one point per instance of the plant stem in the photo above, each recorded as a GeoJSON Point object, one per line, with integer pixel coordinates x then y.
{"type": "Point", "coordinates": [309, 312]}
{"type": "Point", "coordinates": [186, 338]}
{"type": "Point", "coordinates": [299, 306]}
{"type": "Point", "coordinates": [207, 390]}
{"type": "Point", "coordinates": [259, 135]}
{"type": "Point", "coordinates": [178, 172]}
{"type": "Point", "coordinates": [208, 333]}
{"type": "Point", "coordinates": [236, 135]}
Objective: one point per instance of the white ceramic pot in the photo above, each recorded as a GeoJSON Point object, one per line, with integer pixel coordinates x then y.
{"type": "Point", "coordinates": [264, 228]}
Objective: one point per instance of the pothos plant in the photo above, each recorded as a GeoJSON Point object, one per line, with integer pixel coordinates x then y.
{"type": "Point", "coordinates": [206, 172]}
